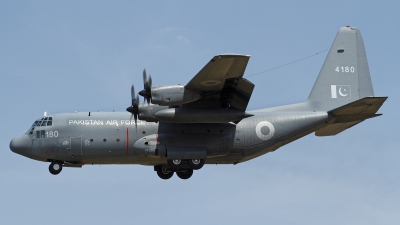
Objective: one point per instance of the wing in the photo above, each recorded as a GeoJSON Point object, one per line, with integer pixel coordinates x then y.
{"type": "Point", "coordinates": [220, 68]}
{"type": "Point", "coordinates": [221, 84]}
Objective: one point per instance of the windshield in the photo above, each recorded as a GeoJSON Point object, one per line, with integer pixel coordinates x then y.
{"type": "Point", "coordinates": [41, 122]}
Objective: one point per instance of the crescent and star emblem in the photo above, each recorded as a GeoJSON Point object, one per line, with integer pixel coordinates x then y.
{"type": "Point", "coordinates": [341, 94]}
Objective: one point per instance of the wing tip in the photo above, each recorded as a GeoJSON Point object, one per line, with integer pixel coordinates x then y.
{"type": "Point", "coordinates": [230, 55]}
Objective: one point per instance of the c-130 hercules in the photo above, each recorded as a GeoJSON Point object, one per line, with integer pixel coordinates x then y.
{"type": "Point", "coordinates": [183, 127]}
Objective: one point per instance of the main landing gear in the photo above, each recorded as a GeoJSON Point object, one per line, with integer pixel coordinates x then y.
{"type": "Point", "coordinates": [182, 168]}
{"type": "Point", "coordinates": [55, 167]}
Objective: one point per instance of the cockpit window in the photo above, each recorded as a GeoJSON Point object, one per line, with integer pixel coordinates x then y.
{"type": "Point", "coordinates": [42, 122]}
{"type": "Point", "coordinates": [45, 121]}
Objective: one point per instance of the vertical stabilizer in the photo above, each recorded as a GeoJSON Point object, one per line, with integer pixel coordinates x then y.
{"type": "Point", "coordinates": [344, 77]}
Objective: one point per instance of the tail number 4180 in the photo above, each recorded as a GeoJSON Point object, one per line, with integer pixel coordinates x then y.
{"type": "Point", "coordinates": [345, 69]}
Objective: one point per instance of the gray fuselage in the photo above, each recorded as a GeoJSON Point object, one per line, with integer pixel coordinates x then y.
{"type": "Point", "coordinates": [113, 137]}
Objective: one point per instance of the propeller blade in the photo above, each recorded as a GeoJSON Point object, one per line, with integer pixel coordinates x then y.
{"type": "Point", "coordinates": [146, 92]}
{"type": "Point", "coordinates": [135, 117]}
{"type": "Point", "coordinates": [137, 101]}
{"type": "Point", "coordinates": [134, 108]}
{"type": "Point", "coordinates": [144, 79]}
{"type": "Point", "coordinates": [132, 93]}
{"type": "Point", "coordinates": [149, 83]}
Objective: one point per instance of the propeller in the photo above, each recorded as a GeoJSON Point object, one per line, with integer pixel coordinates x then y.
{"type": "Point", "coordinates": [146, 92]}
{"type": "Point", "coordinates": [134, 108]}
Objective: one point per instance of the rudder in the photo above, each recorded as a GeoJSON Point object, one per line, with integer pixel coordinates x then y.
{"type": "Point", "coordinates": [345, 76]}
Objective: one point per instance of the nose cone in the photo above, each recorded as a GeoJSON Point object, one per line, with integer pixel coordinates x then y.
{"type": "Point", "coordinates": [21, 145]}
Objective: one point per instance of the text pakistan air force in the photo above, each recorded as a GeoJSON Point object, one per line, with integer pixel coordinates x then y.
{"type": "Point", "coordinates": [105, 122]}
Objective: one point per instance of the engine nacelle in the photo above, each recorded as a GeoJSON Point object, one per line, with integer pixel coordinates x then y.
{"type": "Point", "coordinates": [173, 95]}
{"type": "Point", "coordinates": [147, 112]}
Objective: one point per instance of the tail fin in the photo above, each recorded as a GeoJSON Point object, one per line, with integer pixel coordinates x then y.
{"type": "Point", "coordinates": [344, 77]}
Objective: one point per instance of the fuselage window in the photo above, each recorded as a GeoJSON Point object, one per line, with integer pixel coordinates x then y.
{"type": "Point", "coordinates": [42, 134]}
{"type": "Point", "coordinates": [38, 134]}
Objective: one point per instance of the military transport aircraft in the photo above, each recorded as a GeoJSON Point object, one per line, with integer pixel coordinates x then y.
{"type": "Point", "coordinates": [180, 128]}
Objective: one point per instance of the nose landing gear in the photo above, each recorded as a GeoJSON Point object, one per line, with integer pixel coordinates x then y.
{"type": "Point", "coordinates": [55, 167]}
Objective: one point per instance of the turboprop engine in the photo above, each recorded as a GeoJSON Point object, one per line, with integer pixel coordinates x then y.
{"type": "Point", "coordinates": [147, 112]}
{"type": "Point", "coordinates": [166, 106]}
{"type": "Point", "coordinates": [173, 95]}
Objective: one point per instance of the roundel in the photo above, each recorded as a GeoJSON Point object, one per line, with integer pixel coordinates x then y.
{"type": "Point", "coordinates": [265, 130]}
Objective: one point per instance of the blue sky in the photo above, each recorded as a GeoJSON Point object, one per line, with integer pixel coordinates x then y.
{"type": "Point", "coordinates": [64, 56]}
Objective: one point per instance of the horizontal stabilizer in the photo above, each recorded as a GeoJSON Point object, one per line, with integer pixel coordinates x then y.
{"type": "Point", "coordinates": [364, 106]}
{"type": "Point", "coordinates": [351, 114]}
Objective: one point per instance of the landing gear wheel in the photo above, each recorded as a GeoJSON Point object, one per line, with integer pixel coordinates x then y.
{"type": "Point", "coordinates": [186, 174]}
{"type": "Point", "coordinates": [164, 174]}
{"type": "Point", "coordinates": [55, 167]}
{"type": "Point", "coordinates": [175, 164]}
{"type": "Point", "coordinates": [195, 164]}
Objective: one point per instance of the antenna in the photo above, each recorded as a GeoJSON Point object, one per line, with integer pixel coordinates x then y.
{"type": "Point", "coordinates": [45, 114]}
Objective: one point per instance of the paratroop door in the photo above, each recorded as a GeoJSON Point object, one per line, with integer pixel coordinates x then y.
{"type": "Point", "coordinates": [76, 146]}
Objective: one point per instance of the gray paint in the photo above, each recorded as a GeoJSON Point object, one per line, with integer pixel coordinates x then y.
{"type": "Point", "coordinates": [347, 68]}
{"type": "Point", "coordinates": [199, 130]}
